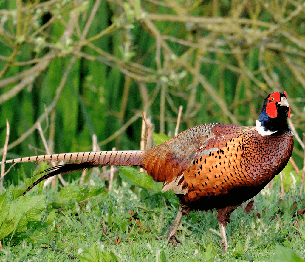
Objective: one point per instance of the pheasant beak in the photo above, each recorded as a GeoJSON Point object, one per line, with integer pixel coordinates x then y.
{"type": "Point", "coordinates": [283, 102]}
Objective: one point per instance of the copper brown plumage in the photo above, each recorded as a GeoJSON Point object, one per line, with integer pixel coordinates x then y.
{"type": "Point", "coordinates": [207, 166]}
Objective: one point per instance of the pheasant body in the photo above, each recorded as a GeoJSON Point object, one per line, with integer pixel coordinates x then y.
{"type": "Point", "coordinates": [229, 165]}
{"type": "Point", "coordinates": [208, 166]}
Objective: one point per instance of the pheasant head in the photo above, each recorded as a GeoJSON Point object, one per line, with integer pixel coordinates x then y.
{"type": "Point", "coordinates": [272, 119]}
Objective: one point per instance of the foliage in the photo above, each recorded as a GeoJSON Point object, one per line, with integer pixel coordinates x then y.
{"type": "Point", "coordinates": [90, 224]}
{"type": "Point", "coordinates": [16, 214]}
{"type": "Point", "coordinates": [160, 138]}
{"type": "Point", "coordinates": [92, 67]}
{"type": "Point", "coordinates": [286, 254]}
{"type": "Point", "coordinates": [133, 177]}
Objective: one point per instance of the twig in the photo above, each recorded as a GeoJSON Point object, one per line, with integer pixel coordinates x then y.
{"type": "Point", "coordinates": [143, 132]}
{"type": "Point", "coordinates": [149, 133]}
{"type": "Point", "coordinates": [23, 19]}
{"type": "Point", "coordinates": [121, 130]}
{"type": "Point", "coordinates": [279, 221]}
{"type": "Point", "coordinates": [68, 32]}
{"type": "Point", "coordinates": [278, 25]}
{"type": "Point", "coordinates": [5, 152]}
{"type": "Point", "coordinates": [295, 133]}
{"type": "Point", "coordinates": [29, 72]}
{"type": "Point", "coordinates": [51, 179]}
{"type": "Point", "coordinates": [135, 71]}
{"type": "Point", "coordinates": [106, 173]}
{"type": "Point", "coordinates": [20, 86]}
{"type": "Point", "coordinates": [51, 106]}
{"type": "Point", "coordinates": [303, 174]}
{"type": "Point", "coordinates": [83, 176]}
{"type": "Point", "coordinates": [124, 100]}
{"type": "Point", "coordinates": [104, 228]}
{"type": "Point", "coordinates": [150, 27]}
{"type": "Point", "coordinates": [201, 79]}
{"type": "Point", "coordinates": [131, 120]}
{"type": "Point", "coordinates": [162, 108]}
{"type": "Point", "coordinates": [95, 148]}
{"type": "Point", "coordinates": [206, 21]}
{"type": "Point", "coordinates": [270, 184]}
{"type": "Point", "coordinates": [221, 102]}
{"type": "Point", "coordinates": [51, 130]}
{"type": "Point", "coordinates": [111, 174]}
{"type": "Point", "coordinates": [11, 60]}
{"type": "Point", "coordinates": [44, 141]}
{"type": "Point", "coordinates": [294, 165]}
{"type": "Point", "coordinates": [90, 19]}
{"type": "Point", "coordinates": [178, 120]}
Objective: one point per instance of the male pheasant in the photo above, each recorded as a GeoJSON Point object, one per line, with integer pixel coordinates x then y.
{"type": "Point", "coordinates": [208, 166]}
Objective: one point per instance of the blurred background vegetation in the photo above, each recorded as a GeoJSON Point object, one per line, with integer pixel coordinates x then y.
{"type": "Point", "coordinates": [80, 68]}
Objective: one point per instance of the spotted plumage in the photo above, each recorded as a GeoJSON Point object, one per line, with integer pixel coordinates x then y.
{"type": "Point", "coordinates": [208, 166]}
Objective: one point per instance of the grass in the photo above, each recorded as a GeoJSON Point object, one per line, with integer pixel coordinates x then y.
{"type": "Point", "coordinates": [130, 224]}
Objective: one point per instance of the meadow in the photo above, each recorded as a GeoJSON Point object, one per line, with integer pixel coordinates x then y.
{"type": "Point", "coordinates": [130, 223]}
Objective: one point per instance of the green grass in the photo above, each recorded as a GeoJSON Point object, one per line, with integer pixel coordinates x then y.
{"type": "Point", "coordinates": [130, 224]}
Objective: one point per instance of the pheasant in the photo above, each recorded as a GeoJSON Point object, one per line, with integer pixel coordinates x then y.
{"type": "Point", "coordinates": [208, 166]}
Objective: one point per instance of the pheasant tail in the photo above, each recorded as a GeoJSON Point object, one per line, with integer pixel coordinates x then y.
{"type": "Point", "coordinates": [101, 158]}
{"type": "Point", "coordinates": [81, 160]}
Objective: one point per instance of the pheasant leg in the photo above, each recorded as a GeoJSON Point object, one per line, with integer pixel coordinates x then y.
{"type": "Point", "coordinates": [224, 240]}
{"type": "Point", "coordinates": [173, 230]}
{"type": "Point", "coordinates": [223, 216]}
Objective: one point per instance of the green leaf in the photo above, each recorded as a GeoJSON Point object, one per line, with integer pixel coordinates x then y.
{"type": "Point", "coordinates": [239, 248]}
{"type": "Point", "coordinates": [80, 192]}
{"type": "Point", "coordinates": [160, 138]}
{"type": "Point", "coordinates": [210, 252]}
{"type": "Point", "coordinates": [3, 207]}
{"type": "Point", "coordinates": [133, 177]}
{"type": "Point", "coordinates": [286, 254]}
{"type": "Point", "coordinates": [162, 256]}
{"type": "Point", "coordinates": [51, 217]}
{"type": "Point", "coordinates": [96, 253]}
{"type": "Point", "coordinates": [16, 214]}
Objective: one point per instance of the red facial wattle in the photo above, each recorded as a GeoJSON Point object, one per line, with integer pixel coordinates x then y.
{"type": "Point", "coordinates": [271, 109]}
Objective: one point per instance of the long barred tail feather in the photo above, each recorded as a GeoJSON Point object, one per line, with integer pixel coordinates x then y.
{"type": "Point", "coordinates": [121, 158]}
{"type": "Point", "coordinates": [60, 169]}
{"type": "Point", "coordinates": [82, 160]}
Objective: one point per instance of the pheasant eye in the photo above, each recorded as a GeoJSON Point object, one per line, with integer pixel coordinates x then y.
{"type": "Point", "coordinates": [285, 93]}
{"type": "Point", "coordinates": [275, 97]}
